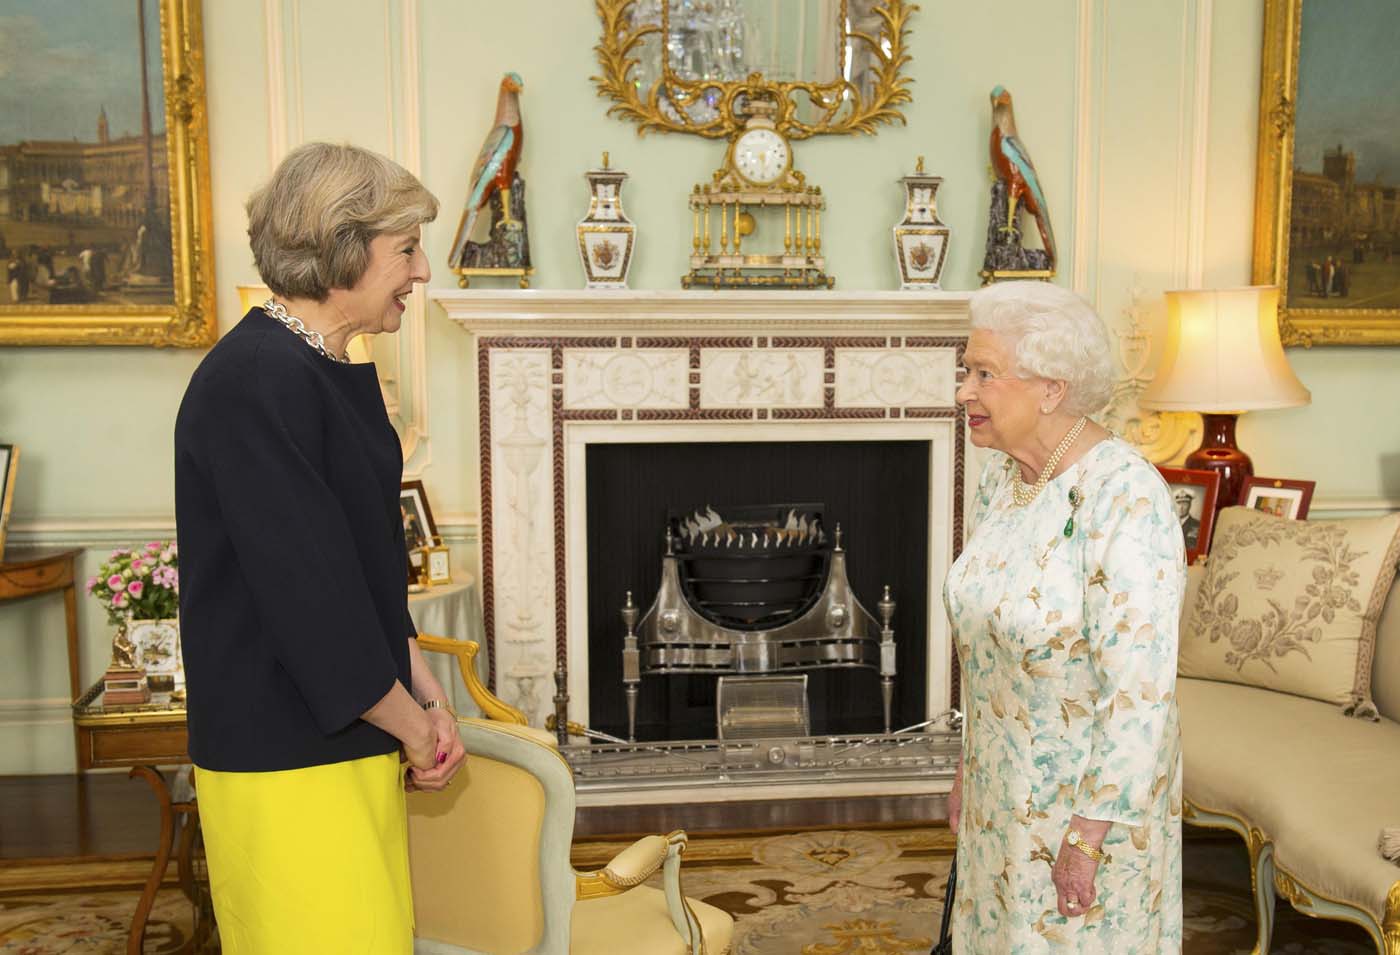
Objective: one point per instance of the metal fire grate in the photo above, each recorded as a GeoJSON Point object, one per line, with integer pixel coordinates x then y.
{"type": "Point", "coordinates": [755, 590]}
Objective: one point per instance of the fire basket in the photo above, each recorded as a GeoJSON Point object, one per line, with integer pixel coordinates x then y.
{"type": "Point", "coordinates": [754, 590]}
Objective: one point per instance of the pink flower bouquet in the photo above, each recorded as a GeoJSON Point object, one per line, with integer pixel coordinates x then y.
{"type": "Point", "coordinates": [139, 584]}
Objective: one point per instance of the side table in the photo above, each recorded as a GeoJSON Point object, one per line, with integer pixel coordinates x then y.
{"type": "Point", "coordinates": [28, 573]}
{"type": "Point", "coordinates": [142, 737]}
{"type": "Point", "coordinates": [452, 610]}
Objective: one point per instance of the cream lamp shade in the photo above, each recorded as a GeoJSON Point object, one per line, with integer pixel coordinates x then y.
{"type": "Point", "coordinates": [1223, 354]}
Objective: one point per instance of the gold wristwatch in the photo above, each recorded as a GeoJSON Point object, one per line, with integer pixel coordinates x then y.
{"type": "Point", "coordinates": [1093, 852]}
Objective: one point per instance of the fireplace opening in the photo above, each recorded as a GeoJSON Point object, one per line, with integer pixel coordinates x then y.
{"type": "Point", "coordinates": [877, 491]}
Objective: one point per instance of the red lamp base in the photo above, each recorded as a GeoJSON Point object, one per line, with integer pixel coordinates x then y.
{"type": "Point", "coordinates": [1218, 452]}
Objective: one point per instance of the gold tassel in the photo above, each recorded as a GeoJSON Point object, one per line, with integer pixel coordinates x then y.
{"type": "Point", "coordinates": [1389, 845]}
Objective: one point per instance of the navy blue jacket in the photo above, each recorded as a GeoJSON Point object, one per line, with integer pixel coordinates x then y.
{"type": "Point", "coordinates": [293, 604]}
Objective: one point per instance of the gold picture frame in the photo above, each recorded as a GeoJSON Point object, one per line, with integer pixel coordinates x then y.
{"type": "Point", "coordinates": [1304, 323]}
{"type": "Point", "coordinates": [189, 319]}
{"type": "Point", "coordinates": [9, 471]}
{"type": "Point", "coordinates": [836, 107]}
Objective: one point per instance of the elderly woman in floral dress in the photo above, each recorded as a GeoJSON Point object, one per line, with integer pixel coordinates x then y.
{"type": "Point", "coordinates": [1064, 605]}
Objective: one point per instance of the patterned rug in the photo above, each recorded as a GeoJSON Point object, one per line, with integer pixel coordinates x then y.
{"type": "Point", "coordinates": [867, 892]}
{"type": "Point", "coordinates": [880, 892]}
{"type": "Point", "coordinates": [76, 922]}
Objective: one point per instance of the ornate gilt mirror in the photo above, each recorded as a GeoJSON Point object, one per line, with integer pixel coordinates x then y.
{"type": "Point", "coordinates": [692, 66]}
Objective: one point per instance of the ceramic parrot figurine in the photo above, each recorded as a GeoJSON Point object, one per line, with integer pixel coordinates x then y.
{"type": "Point", "coordinates": [1012, 165]}
{"type": "Point", "coordinates": [495, 164]}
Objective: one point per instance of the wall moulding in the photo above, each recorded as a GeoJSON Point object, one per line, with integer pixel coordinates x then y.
{"type": "Point", "coordinates": [402, 359]}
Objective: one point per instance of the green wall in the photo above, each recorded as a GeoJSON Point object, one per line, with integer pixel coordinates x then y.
{"type": "Point", "coordinates": [1141, 119]}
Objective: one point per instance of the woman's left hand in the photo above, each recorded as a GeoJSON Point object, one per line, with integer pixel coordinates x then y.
{"type": "Point", "coordinates": [1074, 872]}
{"type": "Point", "coordinates": [1073, 875]}
{"type": "Point", "coordinates": [452, 756]}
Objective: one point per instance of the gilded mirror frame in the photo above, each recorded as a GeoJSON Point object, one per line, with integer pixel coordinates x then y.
{"type": "Point", "coordinates": [191, 320]}
{"type": "Point", "coordinates": [840, 106]}
{"type": "Point", "coordinates": [1273, 197]}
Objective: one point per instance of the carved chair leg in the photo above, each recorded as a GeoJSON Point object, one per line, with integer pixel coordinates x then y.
{"type": "Point", "coordinates": [1261, 877]}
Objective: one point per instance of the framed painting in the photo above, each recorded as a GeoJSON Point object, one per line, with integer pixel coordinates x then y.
{"type": "Point", "coordinates": [105, 216]}
{"type": "Point", "coordinates": [1194, 494]}
{"type": "Point", "coordinates": [1327, 190]}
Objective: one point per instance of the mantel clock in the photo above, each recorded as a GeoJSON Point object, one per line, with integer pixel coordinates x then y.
{"type": "Point", "coordinates": [755, 189]}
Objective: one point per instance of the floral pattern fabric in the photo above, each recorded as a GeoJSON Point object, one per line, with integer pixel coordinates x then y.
{"type": "Point", "coordinates": [1293, 605]}
{"type": "Point", "coordinates": [1067, 636]}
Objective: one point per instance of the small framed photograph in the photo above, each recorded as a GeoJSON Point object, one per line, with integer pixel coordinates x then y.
{"type": "Point", "coordinates": [9, 467]}
{"type": "Point", "coordinates": [1194, 495]}
{"type": "Point", "coordinates": [1277, 496]}
{"type": "Point", "coordinates": [419, 529]}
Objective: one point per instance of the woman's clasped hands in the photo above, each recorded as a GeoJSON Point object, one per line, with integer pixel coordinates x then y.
{"type": "Point", "coordinates": [436, 756]}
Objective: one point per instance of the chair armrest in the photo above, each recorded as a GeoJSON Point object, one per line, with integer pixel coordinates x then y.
{"type": "Point", "coordinates": [628, 869]}
{"type": "Point", "coordinates": [686, 922]}
{"type": "Point", "coordinates": [639, 862]}
{"type": "Point", "coordinates": [492, 706]}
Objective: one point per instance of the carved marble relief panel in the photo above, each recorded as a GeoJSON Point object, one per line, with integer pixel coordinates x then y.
{"type": "Point", "coordinates": [631, 378]}
{"type": "Point", "coordinates": [885, 378]}
{"type": "Point", "coordinates": [761, 378]}
{"type": "Point", "coordinates": [522, 531]}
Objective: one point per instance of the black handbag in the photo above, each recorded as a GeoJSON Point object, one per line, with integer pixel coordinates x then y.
{"type": "Point", "coordinates": [945, 937]}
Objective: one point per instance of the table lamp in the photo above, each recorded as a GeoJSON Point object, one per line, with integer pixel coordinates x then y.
{"type": "Point", "coordinates": [1222, 358]}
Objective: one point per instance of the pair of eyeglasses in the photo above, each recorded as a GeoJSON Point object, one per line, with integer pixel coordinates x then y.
{"type": "Point", "coordinates": [982, 376]}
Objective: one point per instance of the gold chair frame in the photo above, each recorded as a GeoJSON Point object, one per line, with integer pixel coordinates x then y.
{"type": "Point", "coordinates": [505, 736]}
{"type": "Point", "coordinates": [1268, 880]}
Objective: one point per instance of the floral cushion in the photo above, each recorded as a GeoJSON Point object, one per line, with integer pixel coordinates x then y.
{"type": "Point", "coordinates": [1292, 605]}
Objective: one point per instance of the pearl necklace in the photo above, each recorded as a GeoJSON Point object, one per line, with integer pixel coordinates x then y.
{"type": "Point", "coordinates": [315, 339]}
{"type": "Point", "coordinates": [1023, 493]}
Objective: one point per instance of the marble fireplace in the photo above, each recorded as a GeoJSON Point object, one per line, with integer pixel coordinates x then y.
{"type": "Point", "coordinates": [559, 372]}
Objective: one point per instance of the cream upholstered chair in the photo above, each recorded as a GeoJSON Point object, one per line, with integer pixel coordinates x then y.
{"type": "Point", "coordinates": [490, 857]}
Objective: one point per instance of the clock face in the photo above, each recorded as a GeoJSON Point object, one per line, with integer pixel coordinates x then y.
{"type": "Point", "coordinates": [761, 156]}
{"type": "Point", "coordinates": [438, 567]}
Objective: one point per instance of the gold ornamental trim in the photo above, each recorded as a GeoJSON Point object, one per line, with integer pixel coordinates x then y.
{"type": "Point", "coordinates": [1301, 896]}
{"type": "Point", "coordinates": [88, 711]}
{"type": "Point", "coordinates": [1273, 195]}
{"type": "Point", "coordinates": [839, 104]}
{"type": "Point", "coordinates": [190, 322]}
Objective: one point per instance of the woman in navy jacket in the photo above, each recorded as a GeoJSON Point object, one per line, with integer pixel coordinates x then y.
{"type": "Point", "coordinates": [304, 675]}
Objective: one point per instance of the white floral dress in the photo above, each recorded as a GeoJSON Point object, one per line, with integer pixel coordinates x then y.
{"type": "Point", "coordinates": [1067, 637]}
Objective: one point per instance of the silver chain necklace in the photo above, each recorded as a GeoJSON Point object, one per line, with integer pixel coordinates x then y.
{"type": "Point", "coordinates": [297, 327]}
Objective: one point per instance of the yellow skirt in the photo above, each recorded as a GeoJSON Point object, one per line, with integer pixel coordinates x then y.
{"type": "Point", "coordinates": [309, 860]}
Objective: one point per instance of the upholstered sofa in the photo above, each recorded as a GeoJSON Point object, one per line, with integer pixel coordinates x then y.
{"type": "Point", "coordinates": [1308, 787]}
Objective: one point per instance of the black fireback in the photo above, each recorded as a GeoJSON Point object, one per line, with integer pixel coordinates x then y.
{"type": "Point", "coordinates": [876, 490]}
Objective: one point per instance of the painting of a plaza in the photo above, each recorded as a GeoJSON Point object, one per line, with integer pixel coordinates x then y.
{"type": "Point", "coordinates": [1344, 226]}
{"type": "Point", "coordinates": [84, 179]}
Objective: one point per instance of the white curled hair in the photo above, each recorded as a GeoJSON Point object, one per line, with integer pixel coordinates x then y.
{"type": "Point", "coordinates": [1053, 334]}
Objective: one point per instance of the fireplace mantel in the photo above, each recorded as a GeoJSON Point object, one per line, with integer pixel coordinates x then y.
{"type": "Point", "coordinates": [559, 370]}
{"type": "Point", "coordinates": [528, 311]}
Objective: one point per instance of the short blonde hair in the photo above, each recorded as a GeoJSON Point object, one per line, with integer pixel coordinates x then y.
{"type": "Point", "coordinates": [1054, 334]}
{"type": "Point", "coordinates": [311, 224]}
